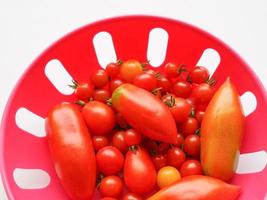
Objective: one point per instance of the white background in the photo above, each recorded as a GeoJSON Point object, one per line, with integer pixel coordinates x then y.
{"type": "Point", "coordinates": [28, 27]}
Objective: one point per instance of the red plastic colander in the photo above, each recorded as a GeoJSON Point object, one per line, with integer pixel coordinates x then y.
{"type": "Point", "coordinates": [25, 163]}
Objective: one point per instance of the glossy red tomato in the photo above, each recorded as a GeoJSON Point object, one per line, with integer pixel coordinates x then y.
{"type": "Point", "coordinates": [189, 126]}
{"type": "Point", "coordinates": [139, 171]}
{"type": "Point", "coordinates": [113, 70]}
{"type": "Point", "coordinates": [191, 167]}
{"type": "Point", "coordinates": [175, 157]}
{"type": "Point", "coordinates": [83, 91]}
{"type": "Point", "coordinates": [199, 75]}
{"type": "Point", "coordinates": [99, 78]}
{"type": "Point", "coordinates": [145, 81]}
{"type": "Point", "coordinates": [114, 84]}
{"type": "Point", "coordinates": [180, 110]}
{"type": "Point", "coordinates": [182, 89]}
{"type": "Point", "coordinates": [199, 115]}
{"type": "Point", "coordinates": [130, 69]}
{"type": "Point", "coordinates": [192, 145]}
{"type": "Point", "coordinates": [131, 196]}
{"type": "Point", "coordinates": [119, 142]}
{"type": "Point", "coordinates": [171, 70]}
{"type": "Point", "coordinates": [132, 137]}
{"type": "Point", "coordinates": [203, 93]}
{"type": "Point", "coordinates": [121, 121]}
{"type": "Point", "coordinates": [109, 160]}
{"type": "Point", "coordinates": [159, 161]}
{"type": "Point", "coordinates": [99, 117]}
{"type": "Point", "coordinates": [111, 186]}
{"type": "Point", "coordinates": [180, 140]}
{"type": "Point", "coordinates": [101, 95]}
{"type": "Point", "coordinates": [100, 141]}
{"type": "Point", "coordinates": [164, 83]}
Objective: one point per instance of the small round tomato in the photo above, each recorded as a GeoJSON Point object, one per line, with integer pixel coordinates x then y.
{"type": "Point", "coordinates": [191, 167]}
{"type": "Point", "coordinates": [119, 142]}
{"type": "Point", "coordinates": [150, 71]}
{"type": "Point", "coordinates": [132, 137]}
{"type": "Point", "coordinates": [159, 161]}
{"type": "Point", "coordinates": [99, 117]}
{"type": "Point", "coordinates": [109, 160]}
{"type": "Point", "coordinates": [175, 157]}
{"type": "Point", "coordinates": [180, 140]}
{"type": "Point", "coordinates": [167, 176]}
{"type": "Point", "coordinates": [108, 198]}
{"type": "Point", "coordinates": [113, 69]}
{"type": "Point", "coordinates": [111, 186]}
{"type": "Point", "coordinates": [101, 95]}
{"type": "Point", "coordinates": [189, 126]}
{"type": "Point", "coordinates": [182, 89]}
{"type": "Point", "coordinates": [180, 110]}
{"type": "Point", "coordinates": [163, 147]}
{"type": "Point", "coordinates": [131, 196]}
{"type": "Point", "coordinates": [99, 142]}
{"type": "Point", "coordinates": [171, 70]}
{"type": "Point", "coordinates": [114, 84]}
{"type": "Point", "coordinates": [199, 115]}
{"type": "Point", "coordinates": [192, 145]}
{"type": "Point", "coordinates": [99, 78]}
{"type": "Point", "coordinates": [145, 81]}
{"type": "Point", "coordinates": [130, 69]}
{"type": "Point", "coordinates": [83, 91]}
{"type": "Point", "coordinates": [121, 121]}
{"type": "Point", "coordinates": [199, 75]}
{"type": "Point", "coordinates": [203, 93]}
{"type": "Point", "coordinates": [165, 84]}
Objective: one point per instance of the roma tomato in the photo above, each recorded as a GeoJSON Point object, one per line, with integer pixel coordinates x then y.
{"type": "Point", "coordinates": [114, 84]}
{"type": "Point", "coordinates": [99, 142]}
{"type": "Point", "coordinates": [145, 81]}
{"type": "Point", "coordinates": [132, 137]}
{"type": "Point", "coordinates": [83, 91]}
{"type": "Point", "coordinates": [167, 176]}
{"type": "Point", "coordinates": [139, 171]}
{"type": "Point", "coordinates": [171, 70]}
{"type": "Point", "coordinates": [99, 117]}
{"type": "Point", "coordinates": [119, 142]}
{"type": "Point", "coordinates": [99, 78]}
{"type": "Point", "coordinates": [191, 167]}
{"type": "Point", "coordinates": [175, 157]}
{"type": "Point", "coordinates": [180, 109]}
{"type": "Point", "coordinates": [203, 93]}
{"type": "Point", "coordinates": [159, 161]}
{"type": "Point", "coordinates": [72, 151]}
{"type": "Point", "coordinates": [164, 83]}
{"type": "Point", "coordinates": [131, 196]}
{"type": "Point", "coordinates": [199, 75]}
{"type": "Point", "coordinates": [101, 95]}
{"type": "Point", "coordinates": [111, 186]}
{"type": "Point", "coordinates": [143, 111]}
{"type": "Point", "coordinates": [130, 69]}
{"type": "Point", "coordinates": [192, 145]}
{"type": "Point", "coordinates": [112, 70]}
{"type": "Point", "coordinates": [189, 126]}
{"type": "Point", "coordinates": [182, 89]}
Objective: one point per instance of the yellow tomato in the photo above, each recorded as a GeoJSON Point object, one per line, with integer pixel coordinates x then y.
{"type": "Point", "coordinates": [167, 175]}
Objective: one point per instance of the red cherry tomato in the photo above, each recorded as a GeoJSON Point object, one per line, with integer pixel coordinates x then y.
{"type": "Point", "coordinates": [150, 71]}
{"type": "Point", "coordinates": [119, 142]}
{"type": "Point", "coordinates": [132, 137]}
{"type": "Point", "coordinates": [199, 75]}
{"type": "Point", "coordinates": [171, 70]}
{"type": "Point", "coordinates": [114, 84]}
{"type": "Point", "coordinates": [199, 115]}
{"type": "Point", "coordinates": [180, 109]}
{"type": "Point", "coordinates": [111, 186]}
{"type": "Point", "coordinates": [130, 69]}
{"type": "Point", "coordinates": [191, 167]}
{"type": "Point", "coordinates": [145, 81]}
{"type": "Point", "coordinates": [99, 117]}
{"type": "Point", "coordinates": [101, 95]}
{"type": "Point", "coordinates": [180, 140]}
{"type": "Point", "coordinates": [108, 198]}
{"type": "Point", "coordinates": [165, 84]}
{"type": "Point", "coordinates": [192, 102]}
{"type": "Point", "coordinates": [99, 78]}
{"type": "Point", "coordinates": [112, 70]}
{"type": "Point", "coordinates": [192, 145]}
{"type": "Point", "coordinates": [109, 160]}
{"type": "Point", "coordinates": [203, 93]}
{"type": "Point", "coordinates": [159, 161]}
{"type": "Point", "coordinates": [83, 91]}
{"type": "Point", "coordinates": [131, 196]}
{"type": "Point", "coordinates": [121, 121]}
{"type": "Point", "coordinates": [175, 157]}
{"type": "Point", "coordinates": [139, 171]}
{"type": "Point", "coordinates": [189, 126]}
{"type": "Point", "coordinates": [99, 142]}
{"type": "Point", "coordinates": [182, 89]}
{"type": "Point", "coordinates": [163, 147]}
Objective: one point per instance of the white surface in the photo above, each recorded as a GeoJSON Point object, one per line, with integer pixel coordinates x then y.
{"type": "Point", "coordinates": [28, 27]}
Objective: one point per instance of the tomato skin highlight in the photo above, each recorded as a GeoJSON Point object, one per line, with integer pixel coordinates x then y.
{"type": "Point", "coordinates": [131, 196]}
{"type": "Point", "coordinates": [72, 150]}
{"type": "Point", "coordinates": [198, 187]}
{"type": "Point", "coordinates": [221, 133]}
{"type": "Point", "coordinates": [139, 171]}
{"type": "Point", "coordinates": [132, 101]}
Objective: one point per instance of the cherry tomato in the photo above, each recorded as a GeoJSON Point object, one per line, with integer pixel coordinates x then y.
{"type": "Point", "coordinates": [189, 126]}
{"type": "Point", "coordinates": [180, 140]}
{"type": "Point", "coordinates": [121, 121]}
{"type": "Point", "coordinates": [167, 176]}
{"type": "Point", "coordinates": [119, 142]}
{"type": "Point", "coordinates": [130, 69]}
{"type": "Point", "coordinates": [163, 147]}
{"type": "Point", "coordinates": [191, 167]}
{"type": "Point", "coordinates": [99, 78]}
{"type": "Point", "coordinates": [112, 70]}
{"type": "Point", "coordinates": [111, 186]}
{"type": "Point", "coordinates": [199, 115]}
{"type": "Point", "coordinates": [171, 70]}
{"type": "Point", "coordinates": [192, 145]}
{"type": "Point", "coordinates": [99, 142]}
{"type": "Point", "coordinates": [108, 198]}
{"type": "Point", "coordinates": [159, 161]}
{"type": "Point", "coordinates": [182, 89]}
{"type": "Point", "coordinates": [192, 102]}
{"type": "Point", "coordinates": [175, 157]}
{"type": "Point", "coordinates": [109, 160]}
{"type": "Point", "coordinates": [99, 117]}
{"type": "Point", "coordinates": [101, 95]}
{"type": "Point", "coordinates": [132, 137]}
{"type": "Point", "coordinates": [203, 93]}
{"type": "Point", "coordinates": [145, 81]}
{"type": "Point", "coordinates": [199, 75]}
{"type": "Point", "coordinates": [131, 196]}
{"type": "Point", "coordinates": [83, 91]}
{"type": "Point", "coordinates": [165, 84]}
{"type": "Point", "coordinates": [180, 109]}
{"type": "Point", "coordinates": [114, 84]}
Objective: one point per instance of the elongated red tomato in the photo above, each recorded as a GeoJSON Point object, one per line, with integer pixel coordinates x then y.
{"type": "Point", "coordinates": [139, 171]}
{"type": "Point", "coordinates": [145, 113]}
{"type": "Point", "coordinates": [72, 151]}
{"type": "Point", "coordinates": [221, 133]}
{"type": "Point", "coordinates": [198, 187]}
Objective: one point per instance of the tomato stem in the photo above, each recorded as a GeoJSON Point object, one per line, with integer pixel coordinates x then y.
{"type": "Point", "coordinates": [119, 62]}
{"type": "Point", "coordinates": [74, 84]}
{"type": "Point", "coordinates": [181, 69]}
{"type": "Point", "coordinates": [211, 81]}
{"type": "Point", "coordinates": [156, 90]}
{"type": "Point", "coordinates": [170, 103]}
{"type": "Point", "coordinates": [133, 148]}
{"type": "Point", "coordinates": [109, 102]}
{"type": "Point", "coordinates": [197, 132]}
{"type": "Point", "coordinates": [80, 102]}
{"type": "Point", "coordinates": [192, 113]}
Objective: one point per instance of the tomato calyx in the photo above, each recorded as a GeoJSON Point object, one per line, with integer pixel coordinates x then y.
{"type": "Point", "coordinates": [192, 113]}
{"type": "Point", "coordinates": [181, 69]}
{"type": "Point", "coordinates": [171, 102]}
{"type": "Point", "coordinates": [145, 64]}
{"type": "Point", "coordinates": [133, 148]}
{"type": "Point", "coordinates": [80, 103]}
{"type": "Point", "coordinates": [74, 84]}
{"type": "Point", "coordinates": [211, 81]}
{"type": "Point", "coordinates": [156, 90]}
